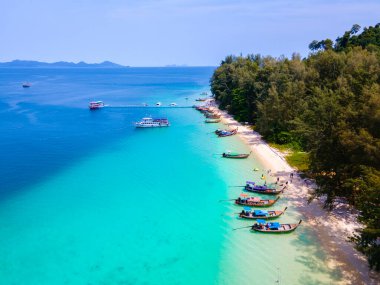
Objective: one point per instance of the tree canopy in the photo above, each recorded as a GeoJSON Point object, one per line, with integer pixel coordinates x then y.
{"type": "Point", "coordinates": [327, 104]}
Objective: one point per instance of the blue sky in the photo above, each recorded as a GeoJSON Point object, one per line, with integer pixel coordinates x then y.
{"type": "Point", "coordinates": [161, 32]}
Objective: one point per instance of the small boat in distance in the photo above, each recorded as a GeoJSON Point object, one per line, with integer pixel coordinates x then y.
{"type": "Point", "coordinates": [26, 85]}
{"type": "Point", "coordinates": [212, 120]}
{"type": "Point", "coordinates": [201, 99]}
{"type": "Point", "coordinates": [235, 155]}
{"type": "Point", "coordinates": [204, 93]}
{"type": "Point", "coordinates": [276, 228]}
{"type": "Point", "coordinates": [94, 105]}
{"type": "Point", "coordinates": [158, 104]}
{"type": "Point", "coordinates": [145, 104]}
{"type": "Point", "coordinates": [202, 109]}
{"type": "Point", "coordinates": [173, 104]}
{"type": "Point", "coordinates": [212, 115]}
{"type": "Point", "coordinates": [248, 213]}
{"type": "Point", "coordinates": [149, 122]}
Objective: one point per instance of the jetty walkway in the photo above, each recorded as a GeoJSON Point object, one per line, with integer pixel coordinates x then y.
{"type": "Point", "coordinates": [147, 107]}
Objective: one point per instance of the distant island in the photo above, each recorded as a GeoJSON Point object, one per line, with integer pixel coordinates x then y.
{"type": "Point", "coordinates": [59, 64]}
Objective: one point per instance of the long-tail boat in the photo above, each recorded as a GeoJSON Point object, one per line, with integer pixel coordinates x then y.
{"type": "Point", "coordinates": [227, 133]}
{"type": "Point", "coordinates": [210, 115]}
{"type": "Point", "coordinates": [263, 189]}
{"type": "Point", "coordinates": [276, 228]}
{"type": "Point", "coordinates": [248, 213]}
{"type": "Point", "coordinates": [255, 202]}
{"type": "Point", "coordinates": [212, 120]}
{"type": "Point", "coordinates": [202, 108]}
{"type": "Point", "coordinates": [235, 155]}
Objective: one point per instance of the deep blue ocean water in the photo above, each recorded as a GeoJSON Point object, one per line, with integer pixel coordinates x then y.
{"type": "Point", "coordinates": [86, 198]}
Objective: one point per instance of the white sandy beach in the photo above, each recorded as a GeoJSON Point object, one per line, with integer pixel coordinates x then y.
{"type": "Point", "coordinates": [341, 222]}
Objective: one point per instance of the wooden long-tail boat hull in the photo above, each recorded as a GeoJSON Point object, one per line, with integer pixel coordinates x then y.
{"type": "Point", "coordinates": [267, 191]}
{"type": "Point", "coordinates": [285, 228]}
{"type": "Point", "coordinates": [231, 133]}
{"type": "Point", "coordinates": [240, 156]}
{"type": "Point", "coordinates": [261, 203]}
{"type": "Point", "coordinates": [211, 121]}
{"type": "Point", "coordinates": [212, 116]}
{"type": "Point", "coordinates": [272, 215]}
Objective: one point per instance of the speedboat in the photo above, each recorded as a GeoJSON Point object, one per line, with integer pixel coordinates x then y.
{"type": "Point", "coordinates": [94, 105]}
{"type": "Point", "coordinates": [149, 122]}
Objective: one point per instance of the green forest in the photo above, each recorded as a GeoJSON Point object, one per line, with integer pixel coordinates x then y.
{"type": "Point", "coordinates": [326, 106]}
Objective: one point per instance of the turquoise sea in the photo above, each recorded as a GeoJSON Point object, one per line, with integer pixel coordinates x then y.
{"type": "Point", "coordinates": [85, 198]}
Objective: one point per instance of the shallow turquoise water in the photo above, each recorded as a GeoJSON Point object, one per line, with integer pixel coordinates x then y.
{"type": "Point", "coordinates": [89, 199]}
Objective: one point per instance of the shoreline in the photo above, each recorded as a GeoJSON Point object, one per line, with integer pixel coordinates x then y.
{"type": "Point", "coordinates": [341, 253]}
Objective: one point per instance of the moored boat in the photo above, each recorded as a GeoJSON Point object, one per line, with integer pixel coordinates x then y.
{"type": "Point", "coordinates": [26, 84]}
{"type": "Point", "coordinates": [94, 105]}
{"type": "Point", "coordinates": [212, 115]}
{"type": "Point", "coordinates": [263, 189]}
{"type": "Point", "coordinates": [200, 99]}
{"type": "Point", "coordinates": [212, 120]}
{"type": "Point", "coordinates": [173, 104]}
{"type": "Point", "coordinates": [200, 108]}
{"type": "Point", "coordinates": [248, 213]}
{"type": "Point", "coordinates": [149, 122]}
{"type": "Point", "coordinates": [255, 202]}
{"type": "Point", "coordinates": [225, 133]}
{"type": "Point", "coordinates": [205, 110]}
{"type": "Point", "coordinates": [277, 228]}
{"type": "Point", "coordinates": [235, 155]}
{"type": "Point", "coordinates": [158, 104]}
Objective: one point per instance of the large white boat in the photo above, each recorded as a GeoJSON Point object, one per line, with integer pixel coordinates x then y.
{"type": "Point", "coordinates": [149, 122]}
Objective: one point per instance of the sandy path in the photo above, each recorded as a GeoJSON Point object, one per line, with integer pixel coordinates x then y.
{"type": "Point", "coordinates": [341, 221]}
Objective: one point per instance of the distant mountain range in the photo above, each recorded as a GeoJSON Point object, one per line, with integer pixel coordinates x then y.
{"type": "Point", "coordinates": [59, 64]}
